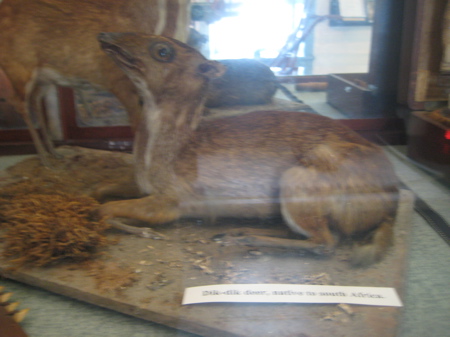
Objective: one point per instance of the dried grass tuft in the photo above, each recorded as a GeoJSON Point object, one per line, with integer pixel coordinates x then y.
{"type": "Point", "coordinates": [42, 226]}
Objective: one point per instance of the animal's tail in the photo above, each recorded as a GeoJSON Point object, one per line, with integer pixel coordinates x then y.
{"type": "Point", "coordinates": [374, 250]}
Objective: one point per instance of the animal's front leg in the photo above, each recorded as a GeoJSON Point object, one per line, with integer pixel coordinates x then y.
{"type": "Point", "coordinates": [124, 190]}
{"type": "Point", "coordinates": [154, 209]}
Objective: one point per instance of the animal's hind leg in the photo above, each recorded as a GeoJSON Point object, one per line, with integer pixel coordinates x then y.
{"type": "Point", "coordinates": [20, 100]}
{"type": "Point", "coordinates": [304, 209]}
{"type": "Point", "coordinates": [350, 200]}
{"type": "Point", "coordinates": [305, 201]}
{"type": "Point", "coordinates": [37, 141]}
{"type": "Point", "coordinates": [35, 93]}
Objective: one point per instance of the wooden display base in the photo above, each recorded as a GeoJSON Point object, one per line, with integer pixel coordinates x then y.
{"type": "Point", "coordinates": [146, 278]}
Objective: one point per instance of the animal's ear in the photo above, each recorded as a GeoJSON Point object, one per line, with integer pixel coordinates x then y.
{"type": "Point", "coordinates": [211, 69]}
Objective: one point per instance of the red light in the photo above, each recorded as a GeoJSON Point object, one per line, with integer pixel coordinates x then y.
{"type": "Point", "coordinates": [447, 134]}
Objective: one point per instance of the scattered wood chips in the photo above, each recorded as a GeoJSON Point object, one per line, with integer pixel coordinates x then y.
{"type": "Point", "coordinates": [111, 276]}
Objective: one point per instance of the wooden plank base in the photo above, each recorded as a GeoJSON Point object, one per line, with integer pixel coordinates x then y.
{"type": "Point", "coordinates": [146, 278]}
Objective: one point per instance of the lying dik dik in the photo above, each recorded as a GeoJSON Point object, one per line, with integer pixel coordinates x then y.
{"type": "Point", "coordinates": [323, 178]}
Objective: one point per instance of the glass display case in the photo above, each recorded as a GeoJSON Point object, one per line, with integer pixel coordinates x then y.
{"type": "Point", "coordinates": [283, 141]}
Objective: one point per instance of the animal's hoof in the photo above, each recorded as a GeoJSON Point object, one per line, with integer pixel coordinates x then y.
{"type": "Point", "coordinates": [229, 240]}
{"type": "Point", "coordinates": [57, 155]}
{"type": "Point", "coordinates": [243, 240]}
{"type": "Point", "coordinates": [149, 233]}
{"type": "Point", "coordinates": [144, 232]}
{"type": "Point", "coordinates": [100, 193]}
{"type": "Point", "coordinates": [323, 250]}
{"type": "Point", "coordinates": [105, 211]}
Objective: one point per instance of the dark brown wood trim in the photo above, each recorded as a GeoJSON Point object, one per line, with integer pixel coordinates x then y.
{"type": "Point", "coordinates": [14, 135]}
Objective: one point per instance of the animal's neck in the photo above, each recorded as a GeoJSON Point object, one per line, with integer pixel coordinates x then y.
{"type": "Point", "coordinates": [165, 126]}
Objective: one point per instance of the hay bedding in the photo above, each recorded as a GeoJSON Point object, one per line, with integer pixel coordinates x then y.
{"type": "Point", "coordinates": [47, 215]}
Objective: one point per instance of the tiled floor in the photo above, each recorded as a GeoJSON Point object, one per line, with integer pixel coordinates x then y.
{"type": "Point", "coordinates": [427, 301]}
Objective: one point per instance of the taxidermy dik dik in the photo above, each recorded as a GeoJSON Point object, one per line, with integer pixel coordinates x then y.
{"type": "Point", "coordinates": [322, 177]}
{"type": "Point", "coordinates": [48, 42]}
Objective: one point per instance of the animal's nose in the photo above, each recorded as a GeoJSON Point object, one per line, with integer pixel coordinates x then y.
{"type": "Point", "coordinates": [110, 37]}
{"type": "Point", "coordinates": [104, 37]}
{"type": "Point", "coordinates": [102, 34]}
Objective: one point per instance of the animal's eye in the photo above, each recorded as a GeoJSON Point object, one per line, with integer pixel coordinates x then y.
{"type": "Point", "coordinates": [162, 52]}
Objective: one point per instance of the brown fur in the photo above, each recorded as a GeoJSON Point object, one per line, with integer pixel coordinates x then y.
{"type": "Point", "coordinates": [46, 42]}
{"type": "Point", "coordinates": [321, 176]}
